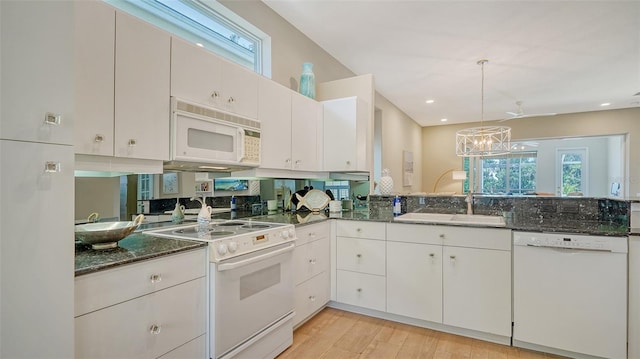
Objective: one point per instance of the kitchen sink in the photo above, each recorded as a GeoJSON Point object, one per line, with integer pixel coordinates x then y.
{"type": "Point", "coordinates": [456, 219]}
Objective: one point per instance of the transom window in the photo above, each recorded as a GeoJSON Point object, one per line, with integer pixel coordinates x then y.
{"type": "Point", "coordinates": [208, 24]}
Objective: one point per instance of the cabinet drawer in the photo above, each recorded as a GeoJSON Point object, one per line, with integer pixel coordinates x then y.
{"type": "Point", "coordinates": [101, 289]}
{"type": "Point", "coordinates": [311, 296]}
{"type": "Point", "coordinates": [313, 232]}
{"type": "Point", "coordinates": [415, 233]}
{"type": "Point", "coordinates": [148, 326]}
{"type": "Point", "coordinates": [484, 238]}
{"type": "Point", "coordinates": [363, 290]}
{"type": "Point", "coordinates": [359, 229]}
{"type": "Point", "coordinates": [311, 259]}
{"type": "Point", "coordinates": [361, 255]}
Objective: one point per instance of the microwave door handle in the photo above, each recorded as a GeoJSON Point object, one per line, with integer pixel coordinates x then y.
{"type": "Point", "coordinates": [241, 144]}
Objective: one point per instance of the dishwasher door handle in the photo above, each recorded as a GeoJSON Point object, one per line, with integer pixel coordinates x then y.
{"type": "Point", "coordinates": [571, 249]}
{"type": "Point", "coordinates": [244, 262]}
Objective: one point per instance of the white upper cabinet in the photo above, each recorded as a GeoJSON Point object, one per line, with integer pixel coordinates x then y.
{"type": "Point", "coordinates": [290, 128]}
{"type": "Point", "coordinates": [142, 66]}
{"type": "Point", "coordinates": [345, 128]}
{"type": "Point", "coordinates": [202, 77]}
{"type": "Point", "coordinates": [122, 84]}
{"type": "Point", "coordinates": [274, 105]}
{"type": "Point", "coordinates": [94, 77]}
{"type": "Point", "coordinates": [306, 118]}
{"type": "Point", "coordinates": [37, 71]}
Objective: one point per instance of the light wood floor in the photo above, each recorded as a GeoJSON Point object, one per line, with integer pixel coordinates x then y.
{"type": "Point", "coordinates": [335, 334]}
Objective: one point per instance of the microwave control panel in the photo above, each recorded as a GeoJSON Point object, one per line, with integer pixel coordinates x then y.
{"type": "Point", "coordinates": [251, 147]}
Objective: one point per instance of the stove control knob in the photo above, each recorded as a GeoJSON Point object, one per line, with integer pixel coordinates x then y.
{"type": "Point", "coordinates": [233, 246]}
{"type": "Point", "coordinates": [222, 249]}
{"type": "Point", "coordinates": [284, 234]}
{"type": "Point", "coordinates": [292, 233]}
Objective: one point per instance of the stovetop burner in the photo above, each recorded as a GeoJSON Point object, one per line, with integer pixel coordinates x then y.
{"type": "Point", "coordinates": [255, 226]}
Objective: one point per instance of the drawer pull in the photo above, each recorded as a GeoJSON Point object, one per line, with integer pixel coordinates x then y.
{"type": "Point", "coordinates": [132, 142]}
{"type": "Point", "coordinates": [359, 230]}
{"type": "Point", "coordinates": [312, 234]}
{"type": "Point", "coordinates": [312, 261]}
{"type": "Point", "coordinates": [442, 235]}
{"type": "Point", "coordinates": [453, 259]}
{"type": "Point", "coordinates": [215, 95]}
{"type": "Point", "coordinates": [231, 100]}
{"type": "Point", "coordinates": [312, 298]}
{"type": "Point", "coordinates": [359, 290]}
{"type": "Point", "coordinates": [99, 138]}
{"type": "Point", "coordinates": [359, 255]}
{"type": "Point", "coordinates": [52, 167]}
{"type": "Point", "coordinates": [155, 329]}
{"type": "Point", "coordinates": [51, 118]}
{"type": "Point", "coordinates": [156, 278]}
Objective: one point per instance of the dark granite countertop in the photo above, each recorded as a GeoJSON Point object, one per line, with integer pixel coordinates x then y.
{"type": "Point", "coordinates": [134, 248]}
{"type": "Point", "coordinates": [139, 246]}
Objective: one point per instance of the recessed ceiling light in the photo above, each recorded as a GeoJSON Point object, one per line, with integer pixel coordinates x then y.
{"type": "Point", "coordinates": [605, 104]}
{"type": "Point", "coordinates": [199, 44]}
{"type": "Point", "coordinates": [430, 101]}
{"type": "Point", "coordinates": [443, 120]}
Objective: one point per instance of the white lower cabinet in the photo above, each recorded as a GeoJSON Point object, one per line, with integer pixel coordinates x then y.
{"type": "Point", "coordinates": [477, 289]}
{"type": "Point", "coordinates": [151, 320]}
{"type": "Point", "coordinates": [451, 275]}
{"type": "Point", "coordinates": [634, 297]}
{"type": "Point", "coordinates": [311, 259]}
{"type": "Point", "coordinates": [414, 280]}
{"type": "Point", "coordinates": [360, 264]}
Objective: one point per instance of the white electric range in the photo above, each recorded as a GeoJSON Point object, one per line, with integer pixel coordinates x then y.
{"type": "Point", "coordinates": [250, 285]}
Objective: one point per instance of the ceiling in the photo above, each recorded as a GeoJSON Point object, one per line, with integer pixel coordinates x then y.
{"type": "Point", "coordinates": [554, 56]}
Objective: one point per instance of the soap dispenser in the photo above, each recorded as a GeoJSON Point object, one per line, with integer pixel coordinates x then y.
{"type": "Point", "coordinates": [204, 216]}
{"type": "Point", "coordinates": [177, 216]}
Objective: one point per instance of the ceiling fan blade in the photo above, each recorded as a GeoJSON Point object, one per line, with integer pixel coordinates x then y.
{"type": "Point", "coordinates": [514, 114]}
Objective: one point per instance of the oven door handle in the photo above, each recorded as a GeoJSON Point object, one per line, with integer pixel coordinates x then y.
{"type": "Point", "coordinates": [244, 262]}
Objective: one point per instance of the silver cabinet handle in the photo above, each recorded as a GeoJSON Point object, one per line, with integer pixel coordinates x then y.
{"type": "Point", "coordinates": [155, 278]}
{"type": "Point", "coordinates": [348, 163]}
{"type": "Point", "coordinates": [155, 329]}
{"type": "Point", "coordinates": [99, 138]}
{"type": "Point", "coordinates": [359, 255]}
{"type": "Point", "coordinates": [312, 261]}
{"type": "Point", "coordinates": [132, 142]}
{"type": "Point", "coordinates": [52, 167]}
{"type": "Point", "coordinates": [51, 118]}
{"type": "Point", "coordinates": [215, 94]}
{"type": "Point", "coordinates": [432, 255]}
{"type": "Point", "coordinates": [359, 290]}
{"type": "Point", "coordinates": [231, 100]}
{"type": "Point", "coordinates": [359, 230]}
{"type": "Point", "coordinates": [312, 298]}
{"type": "Point", "coordinates": [442, 235]}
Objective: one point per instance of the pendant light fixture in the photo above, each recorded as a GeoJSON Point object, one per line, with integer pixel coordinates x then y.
{"type": "Point", "coordinates": [484, 140]}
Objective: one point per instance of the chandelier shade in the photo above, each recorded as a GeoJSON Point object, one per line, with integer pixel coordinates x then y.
{"type": "Point", "coordinates": [484, 140]}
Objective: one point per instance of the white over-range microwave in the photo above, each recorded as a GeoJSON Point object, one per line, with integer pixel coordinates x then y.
{"type": "Point", "coordinates": [205, 139]}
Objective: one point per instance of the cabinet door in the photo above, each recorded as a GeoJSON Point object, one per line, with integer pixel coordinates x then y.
{"type": "Point", "coordinates": [339, 127]}
{"type": "Point", "coordinates": [36, 250]}
{"type": "Point", "coordinates": [477, 289]}
{"type": "Point", "coordinates": [94, 77]}
{"type": "Point", "coordinates": [141, 89]}
{"type": "Point", "coordinates": [414, 280]}
{"type": "Point", "coordinates": [145, 327]}
{"type": "Point", "coordinates": [274, 104]}
{"type": "Point", "coordinates": [361, 255]}
{"type": "Point", "coordinates": [36, 68]}
{"type": "Point", "coordinates": [195, 73]}
{"type": "Point", "coordinates": [305, 121]}
{"type": "Point", "coordinates": [240, 91]}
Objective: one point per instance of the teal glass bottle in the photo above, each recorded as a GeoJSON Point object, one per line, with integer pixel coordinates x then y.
{"type": "Point", "coordinates": [308, 81]}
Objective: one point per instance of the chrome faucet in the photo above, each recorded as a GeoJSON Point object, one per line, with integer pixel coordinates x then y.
{"type": "Point", "coordinates": [469, 201]}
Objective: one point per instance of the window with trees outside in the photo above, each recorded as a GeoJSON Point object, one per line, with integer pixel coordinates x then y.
{"type": "Point", "coordinates": [208, 24]}
{"type": "Point", "coordinates": [510, 174]}
{"type": "Point", "coordinates": [572, 170]}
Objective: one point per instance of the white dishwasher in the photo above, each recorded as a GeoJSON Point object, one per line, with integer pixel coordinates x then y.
{"type": "Point", "coordinates": [570, 294]}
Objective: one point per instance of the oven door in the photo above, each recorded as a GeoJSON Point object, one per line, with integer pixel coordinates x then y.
{"type": "Point", "coordinates": [198, 139]}
{"type": "Point", "coordinates": [250, 293]}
